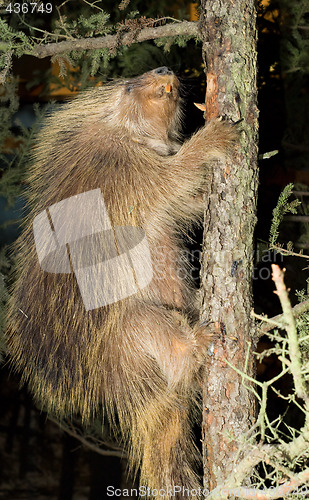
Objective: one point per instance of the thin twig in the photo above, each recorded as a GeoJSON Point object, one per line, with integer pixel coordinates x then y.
{"type": "Point", "coordinates": [289, 253]}
{"type": "Point", "coordinates": [110, 453]}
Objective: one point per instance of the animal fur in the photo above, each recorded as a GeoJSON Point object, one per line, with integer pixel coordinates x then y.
{"type": "Point", "coordinates": [138, 358]}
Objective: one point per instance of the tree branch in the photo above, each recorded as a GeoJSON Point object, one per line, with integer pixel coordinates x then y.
{"type": "Point", "coordinates": [276, 321]}
{"type": "Point", "coordinates": [265, 453]}
{"type": "Point", "coordinates": [281, 491]}
{"type": "Point", "coordinates": [291, 330]}
{"type": "Point", "coordinates": [185, 28]}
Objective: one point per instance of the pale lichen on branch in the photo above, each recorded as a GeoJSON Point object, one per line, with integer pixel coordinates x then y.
{"type": "Point", "coordinates": [290, 327]}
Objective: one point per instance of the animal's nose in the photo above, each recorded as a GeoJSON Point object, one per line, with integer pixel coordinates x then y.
{"type": "Point", "coordinates": [163, 70]}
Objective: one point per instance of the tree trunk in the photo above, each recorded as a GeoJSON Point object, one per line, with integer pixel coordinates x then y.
{"type": "Point", "coordinates": [228, 33]}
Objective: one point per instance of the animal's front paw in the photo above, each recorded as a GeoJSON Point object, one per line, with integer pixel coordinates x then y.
{"type": "Point", "coordinates": [205, 333]}
{"type": "Point", "coordinates": [225, 133]}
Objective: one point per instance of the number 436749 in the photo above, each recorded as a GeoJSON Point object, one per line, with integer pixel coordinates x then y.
{"type": "Point", "coordinates": [29, 8]}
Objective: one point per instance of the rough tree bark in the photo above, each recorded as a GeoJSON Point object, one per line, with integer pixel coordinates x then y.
{"type": "Point", "coordinates": [228, 33]}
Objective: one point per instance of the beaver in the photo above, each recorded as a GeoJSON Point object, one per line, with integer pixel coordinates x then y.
{"type": "Point", "coordinates": [102, 316]}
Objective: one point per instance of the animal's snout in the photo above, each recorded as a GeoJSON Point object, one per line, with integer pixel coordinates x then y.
{"type": "Point", "coordinates": [163, 70]}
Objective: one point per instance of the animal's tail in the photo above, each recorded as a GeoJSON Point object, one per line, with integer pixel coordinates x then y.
{"type": "Point", "coordinates": [170, 455]}
{"type": "Point", "coordinates": [154, 362]}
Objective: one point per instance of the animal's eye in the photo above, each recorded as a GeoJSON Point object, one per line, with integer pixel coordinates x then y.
{"type": "Point", "coordinates": [129, 88]}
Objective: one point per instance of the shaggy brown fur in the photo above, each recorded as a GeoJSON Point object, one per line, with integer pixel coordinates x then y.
{"type": "Point", "coordinates": [139, 357]}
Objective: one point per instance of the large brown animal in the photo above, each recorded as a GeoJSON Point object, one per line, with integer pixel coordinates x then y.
{"type": "Point", "coordinates": [116, 151]}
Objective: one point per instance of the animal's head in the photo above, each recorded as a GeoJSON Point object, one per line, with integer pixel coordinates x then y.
{"type": "Point", "coordinates": [149, 105]}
